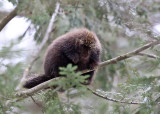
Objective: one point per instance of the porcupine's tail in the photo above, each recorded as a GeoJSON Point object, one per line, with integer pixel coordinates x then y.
{"type": "Point", "coordinates": [36, 81]}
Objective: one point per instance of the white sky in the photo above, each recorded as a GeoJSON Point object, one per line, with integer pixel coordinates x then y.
{"type": "Point", "coordinates": [14, 29]}
{"type": "Point", "coordinates": [156, 29]}
{"type": "Point", "coordinates": [7, 6]}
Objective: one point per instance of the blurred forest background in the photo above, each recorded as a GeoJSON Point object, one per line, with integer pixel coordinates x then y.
{"type": "Point", "coordinates": [121, 25]}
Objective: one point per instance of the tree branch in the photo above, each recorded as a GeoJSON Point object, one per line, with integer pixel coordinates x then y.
{"type": "Point", "coordinates": [30, 92]}
{"type": "Point", "coordinates": [45, 39]}
{"type": "Point", "coordinates": [41, 108]}
{"type": "Point", "coordinates": [114, 100]}
{"type": "Point", "coordinates": [148, 55]}
{"type": "Point", "coordinates": [157, 99]}
{"type": "Point", "coordinates": [130, 54]}
{"type": "Point", "coordinates": [11, 15]}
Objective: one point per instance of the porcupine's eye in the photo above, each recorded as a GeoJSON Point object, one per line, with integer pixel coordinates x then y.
{"type": "Point", "coordinates": [85, 47]}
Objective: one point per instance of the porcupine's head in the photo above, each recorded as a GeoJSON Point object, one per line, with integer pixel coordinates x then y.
{"type": "Point", "coordinates": [87, 39]}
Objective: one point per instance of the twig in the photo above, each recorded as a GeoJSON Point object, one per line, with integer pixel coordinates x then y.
{"type": "Point", "coordinates": [11, 15]}
{"type": "Point", "coordinates": [37, 104]}
{"type": "Point", "coordinates": [114, 100]}
{"type": "Point", "coordinates": [3, 97]}
{"type": "Point", "coordinates": [148, 55]}
{"type": "Point", "coordinates": [46, 36]}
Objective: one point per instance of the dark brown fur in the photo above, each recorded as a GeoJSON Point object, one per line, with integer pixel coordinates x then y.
{"type": "Point", "coordinates": [78, 47]}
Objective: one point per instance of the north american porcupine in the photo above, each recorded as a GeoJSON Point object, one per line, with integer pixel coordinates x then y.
{"type": "Point", "coordinates": [79, 47]}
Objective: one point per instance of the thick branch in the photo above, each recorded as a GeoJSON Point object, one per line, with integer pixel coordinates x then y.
{"type": "Point", "coordinates": [37, 88]}
{"type": "Point", "coordinates": [46, 36]}
{"type": "Point", "coordinates": [11, 15]}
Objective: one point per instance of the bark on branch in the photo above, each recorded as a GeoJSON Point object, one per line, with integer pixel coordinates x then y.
{"type": "Point", "coordinates": [11, 15]}
{"type": "Point", "coordinates": [32, 91]}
